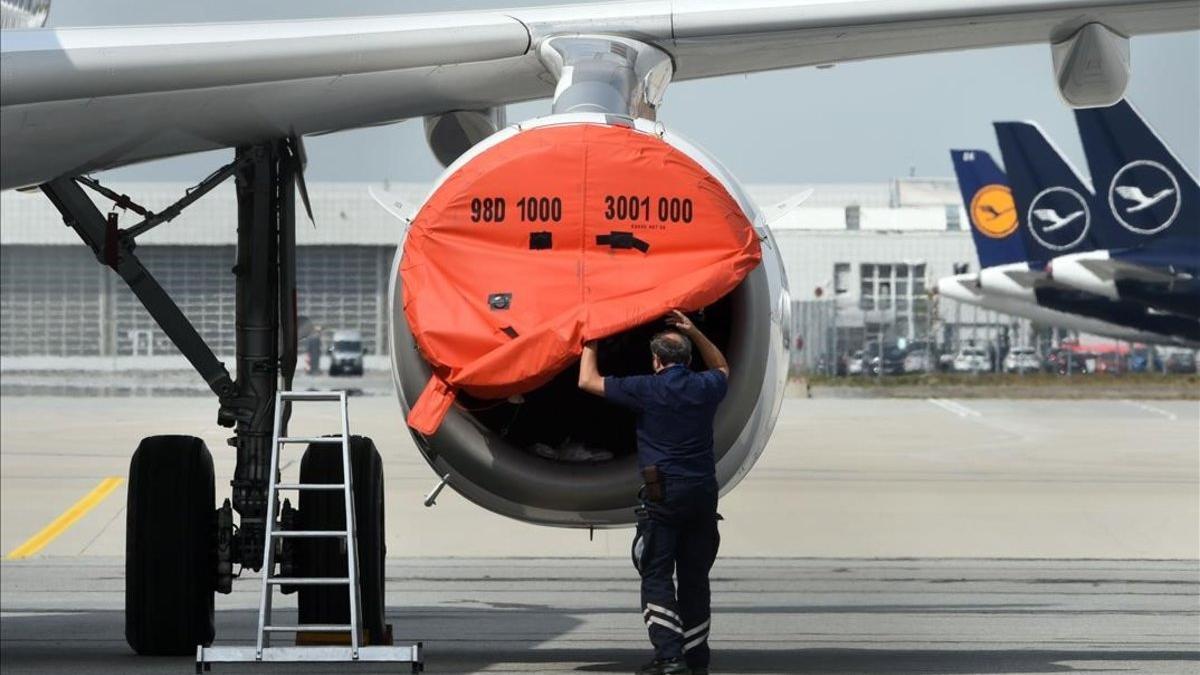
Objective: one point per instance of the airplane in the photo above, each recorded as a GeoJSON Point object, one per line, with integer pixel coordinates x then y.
{"type": "Point", "coordinates": [79, 100]}
{"type": "Point", "coordinates": [1003, 259]}
{"type": "Point", "coordinates": [1155, 200]}
{"type": "Point", "coordinates": [1043, 180]}
{"type": "Point", "coordinates": [1061, 215]}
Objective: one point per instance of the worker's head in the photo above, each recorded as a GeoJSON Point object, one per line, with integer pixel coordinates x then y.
{"type": "Point", "coordinates": [670, 347]}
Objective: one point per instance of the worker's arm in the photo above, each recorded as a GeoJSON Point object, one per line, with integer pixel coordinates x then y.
{"type": "Point", "coordinates": [713, 358]}
{"type": "Point", "coordinates": [589, 372]}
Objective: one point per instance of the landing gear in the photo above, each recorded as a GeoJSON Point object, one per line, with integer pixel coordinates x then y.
{"type": "Point", "coordinates": [180, 548]}
{"type": "Point", "coordinates": [170, 562]}
{"type": "Point", "coordinates": [322, 463]}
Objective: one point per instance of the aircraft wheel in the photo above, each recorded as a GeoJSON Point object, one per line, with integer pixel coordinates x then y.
{"type": "Point", "coordinates": [170, 554]}
{"type": "Point", "coordinates": [324, 510]}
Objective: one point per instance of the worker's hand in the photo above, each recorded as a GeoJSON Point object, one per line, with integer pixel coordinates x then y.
{"type": "Point", "coordinates": [677, 320]}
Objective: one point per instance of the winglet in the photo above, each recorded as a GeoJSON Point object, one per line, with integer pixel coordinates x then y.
{"type": "Point", "coordinates": [788, 205]}
{"type": "Point", "coordinates": [392, 204]}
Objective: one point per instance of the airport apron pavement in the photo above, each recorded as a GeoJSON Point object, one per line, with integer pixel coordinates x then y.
{"type": "Point", "coordinates": [872, 536]}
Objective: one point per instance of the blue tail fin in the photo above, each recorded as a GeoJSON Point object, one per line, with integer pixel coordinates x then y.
{"type": "Point", "coordinates": [1139, 181]}
{"type": "Point", "coordinates": [990, 208]}
{"type": "Point", "coordinates": [1056, 205]}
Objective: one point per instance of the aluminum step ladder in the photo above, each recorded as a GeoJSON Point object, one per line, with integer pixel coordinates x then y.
{"type": "Point", "coordinates": [263, 652]}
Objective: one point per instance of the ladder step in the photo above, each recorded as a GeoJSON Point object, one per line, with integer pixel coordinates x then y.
{"type": "Point", "coordinates": [309, 581]}
{"type": "Point", "coordinates": [311, 439]}
{"type": "Point", "coordinates": [311, 395]}
{"type": "Point", "coordinates": [314, 627]}
{"type": "Point", "coordinates": [310, 533]}
{"type": "Point", "coordinates": [310, 486]}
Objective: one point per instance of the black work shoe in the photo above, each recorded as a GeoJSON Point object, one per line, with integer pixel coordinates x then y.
{"type": "Point", "coordinates": [699, 670]}
{"type": "Point", "coordinates": [665, 667]}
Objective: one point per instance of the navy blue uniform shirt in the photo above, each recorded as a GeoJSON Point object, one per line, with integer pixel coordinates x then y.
{"type": "Point", "coordinates": [675, 409]}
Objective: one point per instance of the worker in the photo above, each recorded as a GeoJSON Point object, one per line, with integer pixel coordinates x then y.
{"type": "Point", "coordinates": [677, 524]}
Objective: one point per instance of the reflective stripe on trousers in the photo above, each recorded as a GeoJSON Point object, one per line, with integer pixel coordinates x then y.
{"type": "Point", "coordinates": [678, 539]}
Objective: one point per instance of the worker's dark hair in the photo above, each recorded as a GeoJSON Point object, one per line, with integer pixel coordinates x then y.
{"type": "Point", "coordinates": [672, 347]}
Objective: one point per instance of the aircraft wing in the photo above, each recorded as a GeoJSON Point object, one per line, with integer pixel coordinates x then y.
{"type": "Point", "coordinates": [80, 99]}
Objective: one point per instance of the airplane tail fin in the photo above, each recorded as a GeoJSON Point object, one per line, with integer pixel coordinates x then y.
{"type": "Point", "coordinates": [1055, 203]}
{"type": "Point", "coordinates": [990, 208]}
{"type": "Point", "coordinates": [1138, 179]}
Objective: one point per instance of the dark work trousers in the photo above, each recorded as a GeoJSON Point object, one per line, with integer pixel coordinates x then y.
{"type": "Point", "coordinates": [678, 536]}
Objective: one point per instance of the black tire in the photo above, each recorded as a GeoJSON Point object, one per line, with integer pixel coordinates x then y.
{"type": "Point", "coordinates": [170, 547]}
{"type": "Point", "coordinates": [320, 510]}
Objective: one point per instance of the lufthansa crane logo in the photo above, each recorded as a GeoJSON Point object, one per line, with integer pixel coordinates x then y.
{"type": "Point", "coordinates": [1058, 218]}
{"type": "Point", "coordinates": [1144, 197]}
{"type": "Point", "coordinates": [993, 211]}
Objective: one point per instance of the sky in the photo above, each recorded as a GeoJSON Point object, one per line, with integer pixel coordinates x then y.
{"type": "Point", "coordinates": [857, 122]}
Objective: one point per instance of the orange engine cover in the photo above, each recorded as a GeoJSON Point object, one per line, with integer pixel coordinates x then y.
{"type": "Point", "coordinates": [555, 236]}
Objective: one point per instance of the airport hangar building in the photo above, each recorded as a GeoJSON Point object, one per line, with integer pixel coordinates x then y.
{"type": "Point", "coordinates": [858, 256]}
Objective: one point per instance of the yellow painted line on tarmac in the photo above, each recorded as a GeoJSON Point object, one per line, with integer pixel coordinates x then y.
{"type": "Point", "coordinates": [60, 524]}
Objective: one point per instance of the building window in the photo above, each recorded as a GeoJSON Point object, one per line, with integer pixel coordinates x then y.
{"type": "Point", "coordinates": [895, 293]}
{"type": "Point", "coordinates": [852, 217]}
{"type": "Point", "coordinates": [841, 278]}
{"type": "Point", "coordinates": [953, 217]}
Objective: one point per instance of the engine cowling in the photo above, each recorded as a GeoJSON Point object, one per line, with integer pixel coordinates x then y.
{"type": "Point", "coordinates": [558, 456]}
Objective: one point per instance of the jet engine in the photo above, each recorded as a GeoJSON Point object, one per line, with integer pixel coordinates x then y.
{"type": "Point", "coordinates": [553, 454]}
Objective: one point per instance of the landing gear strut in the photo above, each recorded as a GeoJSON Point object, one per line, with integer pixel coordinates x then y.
{"type": "Point", "coordinates": [266, 347]}
{"type": "Point", "coordinates": [266, 328]}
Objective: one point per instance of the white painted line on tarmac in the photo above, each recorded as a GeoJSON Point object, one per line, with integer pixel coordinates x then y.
{"type": "Point", "coordinates": [1152, 409]}
{"type": "Point", "coordinates": [954, 407]}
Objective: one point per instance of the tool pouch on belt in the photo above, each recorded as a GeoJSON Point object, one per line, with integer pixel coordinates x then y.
{"type": "Point", "coordinates": [638, 549]}
{"type": "Point", "coordinates": [653, 488]}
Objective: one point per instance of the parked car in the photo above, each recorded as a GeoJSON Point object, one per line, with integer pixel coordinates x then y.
{"type": "Point", "coordinates": [1063, 362]}
{"type": "Point", "coordinates": [1111, 363]}
{"type": "Point", "coordinates": [972, 360]}
{"type": "Point", "coordinates": [945, 362]}
{"type": "Point", "coordinates": [1144, 359]}
{"type": "Point", "coordinates": [1022, 360]}
{"type": "Point", "coordinates": [1181, 362]}
{"type": "Point", "coordinates": [1053, 357]}
{"type": "Point", "coordinates": [891, 363]}
{"type": "Point", "coordinates": [855, 366]}
{"type": "Point", "coordinates": [346, 353]}
{"type": "Point", "coordinates": [919, 361]}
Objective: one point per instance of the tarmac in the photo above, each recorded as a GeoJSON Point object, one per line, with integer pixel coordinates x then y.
{"type": "Point", "coordinates": [873, 536]}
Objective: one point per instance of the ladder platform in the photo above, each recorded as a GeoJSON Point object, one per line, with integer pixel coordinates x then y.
{"type": "Point", "coordinates": [310, 486]}
{"type": "Point", "coordinates": [311, 395]}
{"type": "Point", "coordinates": [308, 581]}
{"type": "Point", "coordinates": [311, 439]}
{"type": "Point", "coordinates": [205, 656]}
{"type": "Point", "coordinates": [310, 533]}
{"type": "Point", "coordinates": [312, 627]}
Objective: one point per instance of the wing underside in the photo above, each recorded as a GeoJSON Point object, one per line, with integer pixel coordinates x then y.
{"type": "Point", "coordinates": [81, 99]}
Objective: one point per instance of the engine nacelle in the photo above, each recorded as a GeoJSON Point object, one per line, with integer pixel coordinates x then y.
{"type": "Point", "coordinates": [558, 456]}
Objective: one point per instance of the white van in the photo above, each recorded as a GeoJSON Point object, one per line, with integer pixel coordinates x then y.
{"type": "Point", "coordinates": [346, 353]}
